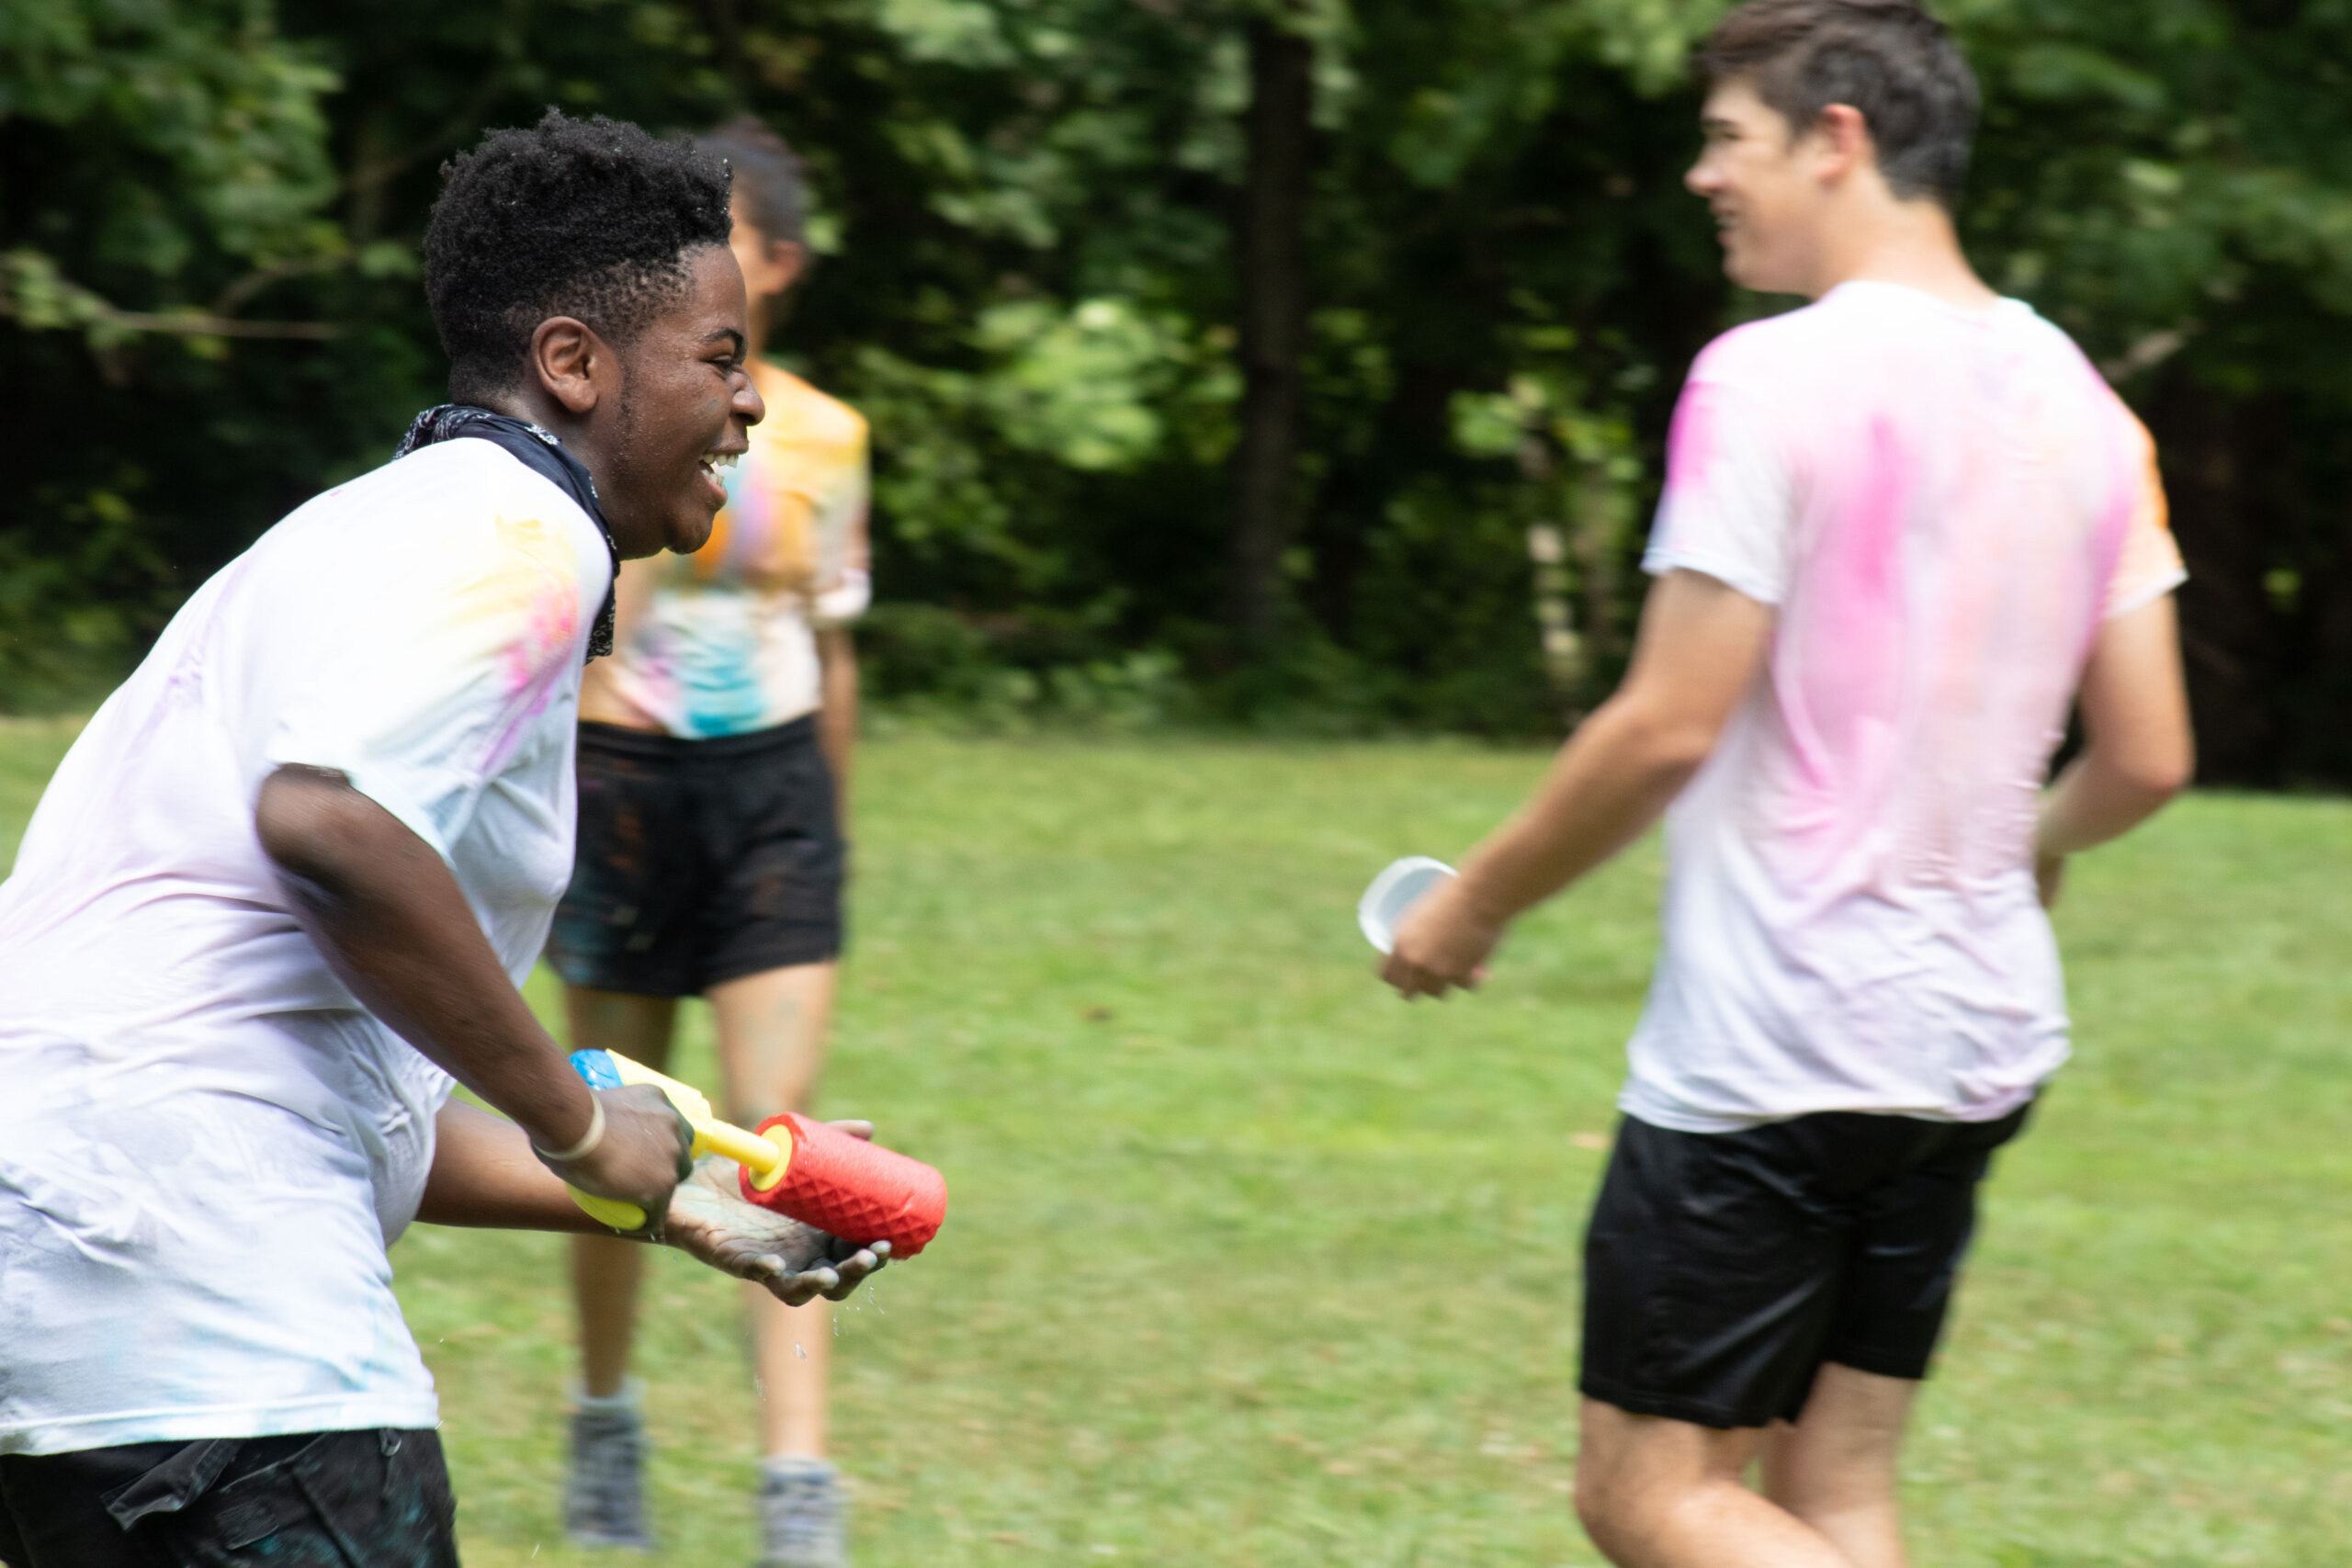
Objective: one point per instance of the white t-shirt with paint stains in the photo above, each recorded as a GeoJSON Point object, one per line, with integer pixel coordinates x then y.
{"type": "Point", "coordinates": [206, 1145]}
{"type": "Point", "coordinates": [1943, 505]}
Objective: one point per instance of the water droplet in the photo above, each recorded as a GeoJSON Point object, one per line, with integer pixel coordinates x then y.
{"type": "Point", "coordinates": [798, 1351]}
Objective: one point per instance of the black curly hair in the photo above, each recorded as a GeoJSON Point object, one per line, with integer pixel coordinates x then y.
{"type": "Point", "coordinates": [585, 218]}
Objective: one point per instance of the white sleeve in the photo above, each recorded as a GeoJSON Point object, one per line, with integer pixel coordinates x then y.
{"type": "Point", "coordinates": [424, 698]}
{"type": "Point", "coordinates": [848, 582]}
{"type": "Point", "coordinates": [1729, 506]}
{"type": "Point", "coordinates": [844, 600]}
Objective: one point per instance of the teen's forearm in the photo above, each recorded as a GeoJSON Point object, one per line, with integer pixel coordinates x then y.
{"type": "Point", "coordinates": [388, 918]}
{"type": "Point", "coordinates": [2141, 751]}
{"type": "Point", "coordinates": [1701, 645]}
{"type": "Point", "coordinates": [837, 718]}
{"type": "Point", "coordinates": [484, 1174]}
{"type": "Point", "coordinates": [2095, 800]}
{"type": "Point", "coordinates": [1617, 774]}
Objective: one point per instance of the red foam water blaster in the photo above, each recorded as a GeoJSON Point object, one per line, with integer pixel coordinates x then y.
{"type": "Point", "coordinates": [851, 1187]}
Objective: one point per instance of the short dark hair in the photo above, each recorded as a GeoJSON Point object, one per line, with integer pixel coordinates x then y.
{"type": "Point", "coordinates": [585, 218]}
{"type": "Point", "coordinates": [1887, 58]}
{"type": "Point", "coordinates": [768, 177]}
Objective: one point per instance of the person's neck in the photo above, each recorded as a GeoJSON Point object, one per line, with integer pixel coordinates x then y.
{"type": "Point", "coordinates": [535, 406]}
{"type": "Point", "coordinates": [1909, 243]}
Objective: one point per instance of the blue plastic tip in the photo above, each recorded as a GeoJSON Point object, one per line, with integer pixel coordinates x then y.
{"type": "Point", "coordinates": [596, 1068]}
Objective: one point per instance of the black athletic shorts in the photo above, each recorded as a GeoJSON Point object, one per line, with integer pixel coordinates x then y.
{"type": "Point", "coordinates": [311, 1500]}
{"type": "Point", "coordinates": [1722, 1269]}
{"type": "Point", "coordinates": [699, 861]}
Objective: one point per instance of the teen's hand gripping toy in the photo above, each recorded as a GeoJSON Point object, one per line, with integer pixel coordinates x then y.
{"type": "Point", "coordinates": [819, 1175]}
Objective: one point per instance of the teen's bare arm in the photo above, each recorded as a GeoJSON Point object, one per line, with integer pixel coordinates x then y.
{"type": "Point", "coordinates": [837, 668]}
{"type": "Point", "coordinates": [484, 1175]}
{"type": "Point", "coordinates": [1699, 650]}
{"type": "Point", "coordinates": [2138, 752]}
{"type": "Point", "coordinates": [837, 710]}
{"type": "Point", "coordinates": [388, 918]}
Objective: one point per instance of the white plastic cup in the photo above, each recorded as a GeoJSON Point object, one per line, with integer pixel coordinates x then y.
{"type": "Point", "coordinates": [1395, 890]}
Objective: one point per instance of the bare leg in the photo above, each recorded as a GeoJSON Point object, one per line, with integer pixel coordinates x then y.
{"type": "Point", "coordinates": [605, 1270]}
{"type": "Point", "coordinates": [772, 1030]}
{"type": "Point", "coordinates": [1835, 1468]}
{"type": "Point", "coordinates": [1659, 1494]}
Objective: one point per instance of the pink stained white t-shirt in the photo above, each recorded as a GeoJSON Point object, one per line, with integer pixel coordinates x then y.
{"type": "Point", "coordinates": [1943, 505]}
{"type": "Point", "coordinates": [206, 1145]}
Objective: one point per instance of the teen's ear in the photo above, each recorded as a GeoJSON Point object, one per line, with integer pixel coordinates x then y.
{"type": "Point", "coordinates": [1843, 139]}
{"type": "Point", "coordinates": [572, 362]}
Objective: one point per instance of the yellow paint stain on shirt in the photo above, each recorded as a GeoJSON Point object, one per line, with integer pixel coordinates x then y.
{"type": "Point", "coordinates": [537, 586]}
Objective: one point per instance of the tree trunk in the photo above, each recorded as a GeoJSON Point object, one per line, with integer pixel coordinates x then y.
{"type": "Point", "coordinates": [2325, 748]}
{"type": "Point", "coordinates": [1598, 547]}
{"type": "Point", "coordinates": [726, 24]}
{"type": "Point", "coordinates": [2229, 626]}
{"type": "Point", "coordinates": [1272, 250]}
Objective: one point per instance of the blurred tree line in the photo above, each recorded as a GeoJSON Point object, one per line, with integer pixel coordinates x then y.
{"type": "Point", "coordinates": [1295, 359]}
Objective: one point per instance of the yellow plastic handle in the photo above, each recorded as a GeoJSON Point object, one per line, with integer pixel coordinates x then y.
{"type": "Point", "coordinates": [609, 1210]}
{"type": "Point", "coordinates": [765, 1158]}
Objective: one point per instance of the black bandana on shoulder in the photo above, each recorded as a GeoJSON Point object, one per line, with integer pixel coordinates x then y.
{"type": "Point", "coordinates": [541, 453]}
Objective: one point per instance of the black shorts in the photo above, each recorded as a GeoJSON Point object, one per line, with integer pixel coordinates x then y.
{"type": "Point", "coordinates": [700, 861]}
{"type": "Point", "coordinates": [311, 1500]}
{"type": "Point", "coordinates": [1722, 1269]}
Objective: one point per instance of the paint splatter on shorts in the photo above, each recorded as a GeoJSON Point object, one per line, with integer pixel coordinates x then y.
{"type": "Point", "coordinates": [368, 1499]}
{"type": "Point", "coordinates": [700, 861]}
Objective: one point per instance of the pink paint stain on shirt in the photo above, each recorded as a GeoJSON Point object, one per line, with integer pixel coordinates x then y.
{"type": "Point", "coordinates": [539, 602]}
{"type": "Point", "coordinates": [1690, 443]}
{"type": "Point", "coordinates": [1844, 677]}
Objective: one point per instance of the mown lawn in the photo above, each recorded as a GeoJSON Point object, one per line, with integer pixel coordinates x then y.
{"type": "Point", "coordinates": [1249, 1265]}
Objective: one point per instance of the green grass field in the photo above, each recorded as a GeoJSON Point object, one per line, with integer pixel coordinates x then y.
{"type": "Point", "coordinates": [1250, 1265]}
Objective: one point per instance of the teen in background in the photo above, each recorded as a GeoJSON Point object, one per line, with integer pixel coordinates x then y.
{"type": "Point", "coordinates": [714, 748]}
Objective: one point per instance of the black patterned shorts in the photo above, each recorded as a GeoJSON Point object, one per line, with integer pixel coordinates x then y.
{"type": "Point", "coordinates": [699, 861]}
{"type": "Point", "coordinates": [308, 1500]}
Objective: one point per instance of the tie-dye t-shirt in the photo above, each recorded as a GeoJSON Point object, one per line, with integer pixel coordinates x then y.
{"type": "Point", "coordinates": [724, 645]}
{"type": "Point", "coordinates": [206, 1145]}
{"type": "Point", "coordinates": [1943, 504]}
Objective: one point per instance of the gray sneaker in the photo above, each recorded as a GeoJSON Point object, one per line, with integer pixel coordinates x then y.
{"type": "Point", "coordinates": [803, 1516]}
{"type": "Point", "coordinates": [603, 1498]}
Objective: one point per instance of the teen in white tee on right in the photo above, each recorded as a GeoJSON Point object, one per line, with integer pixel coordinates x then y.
{"type": "Point", "coordinates": [1905, 529]}
{"type": "Point", "coordinates": [1942, 505]}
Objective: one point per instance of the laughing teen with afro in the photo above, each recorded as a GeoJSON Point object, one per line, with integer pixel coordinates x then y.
{"type": "Point", "coordinates": [278, 900]}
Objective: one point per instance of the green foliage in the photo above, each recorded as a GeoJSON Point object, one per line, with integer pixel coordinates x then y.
{"type": "Point", "coordinates": [205, 127]}
{"type": "Point", "coordinates": [1025, 211]}
{"type": "Point", "coordinates": [174, 156]}
{"type": "Point", "coordinates": [1079, 385]}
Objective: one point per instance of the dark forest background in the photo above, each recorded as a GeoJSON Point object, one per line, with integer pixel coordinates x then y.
{"type": "Point", "coordinates": [1304, 365]}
